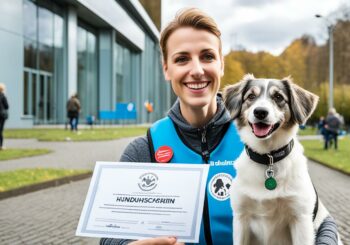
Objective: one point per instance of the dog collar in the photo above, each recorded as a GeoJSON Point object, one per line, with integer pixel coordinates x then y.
{"type": "Point", "coordinates": [273, 156]}
{"type": "Point", "coordinates": [269, 159]}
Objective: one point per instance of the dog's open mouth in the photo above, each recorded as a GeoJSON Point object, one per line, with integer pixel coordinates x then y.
{"type": "Point", "coordinates": [262, 130]}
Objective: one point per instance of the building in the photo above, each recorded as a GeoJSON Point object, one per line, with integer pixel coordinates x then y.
{"type": "Point", "coordinates": [107, 51]}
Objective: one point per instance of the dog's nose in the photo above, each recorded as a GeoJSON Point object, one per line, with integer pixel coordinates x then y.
{"type": "Point", "coordinates": [260, 113]}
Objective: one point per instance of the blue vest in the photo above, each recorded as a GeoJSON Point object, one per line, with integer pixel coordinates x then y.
{"type": "Point", "coordinates": [221, 172]}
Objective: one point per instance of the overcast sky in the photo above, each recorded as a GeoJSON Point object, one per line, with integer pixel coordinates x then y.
{"type": "Point", "coordinates": [268, 25]}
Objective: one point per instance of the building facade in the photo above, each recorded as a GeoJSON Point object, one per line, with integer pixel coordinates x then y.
{"type": "Point", "coordinates": [105, 51]}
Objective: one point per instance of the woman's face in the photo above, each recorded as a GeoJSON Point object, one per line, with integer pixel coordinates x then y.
{"type": "Point", "coordinates": [194, 66]}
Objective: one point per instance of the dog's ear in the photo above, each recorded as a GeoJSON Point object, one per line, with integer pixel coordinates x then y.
{"type": "Point", "coordinates": [233, 95]}
{"type": "Point", "coordinates": [302, 102]}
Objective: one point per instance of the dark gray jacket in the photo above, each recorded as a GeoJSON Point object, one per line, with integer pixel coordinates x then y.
{"type": "Point", "coordinates": [138, 151]}
{"type": "Point", "coordinates": [4, 106]}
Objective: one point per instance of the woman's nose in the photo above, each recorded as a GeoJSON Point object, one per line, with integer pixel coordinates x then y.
{"type": "Point", "coordinates": [196, 68]}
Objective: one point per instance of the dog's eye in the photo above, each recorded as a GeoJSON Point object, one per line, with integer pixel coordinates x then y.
{"type": "Point", "coordinates": [251, 97]}
{"type": "Point", "coordinates": [278, 97]}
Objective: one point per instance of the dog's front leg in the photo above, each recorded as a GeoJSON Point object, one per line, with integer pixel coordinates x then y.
{"type": "Point", "coordinates": [241, 231]}
{"type": "Point", "coordinates": [302, 231]}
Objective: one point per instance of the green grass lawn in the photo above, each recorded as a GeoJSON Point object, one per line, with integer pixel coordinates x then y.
{"type": "Point", "coordinates": [82, 135]}
{"type": "Point", "coordinates": [9, 154]}
{"type": "Point", "coordinates": [23, 177]}
{"type": "Point", "coordinates": [339, 159]}
{"type": "Point", "coordinates": [308, 131]}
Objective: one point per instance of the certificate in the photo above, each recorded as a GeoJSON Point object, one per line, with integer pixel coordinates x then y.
{"type": "Point", "coordinates": [144, 200]}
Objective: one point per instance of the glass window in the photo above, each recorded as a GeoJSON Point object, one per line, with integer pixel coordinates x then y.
{"type": "Point", "coordinates": [45, 18]}
{"type": "Point", "coordinates": [33, 101]}
{"type": "Point", "coordinates": [125, 61]}
{"type": "Point", "coordinates": [46, 57]}
{"type": "Point", "coordinates": [26, 89]}
{"type": "Point", "coordinates": [87, 71]}
{"type": "Point", "coordinates": [58, 33]}
{"type": "Point", "coordinates": [43, 30]}
{"type": "Point", "coordinates": [46, 36]}
{"type": "Point", "coordinates": [30, 23]}
{"type": "Point", "coordinates": [30, 53]}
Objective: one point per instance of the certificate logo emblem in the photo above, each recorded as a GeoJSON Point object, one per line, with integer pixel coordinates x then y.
{"type": "Point", "coordinates": [219, 186]}
{"type": "Point", "coordinates": [148, 181]}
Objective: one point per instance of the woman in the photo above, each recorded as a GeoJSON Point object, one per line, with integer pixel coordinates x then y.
{"type": "Point", "coordinates": [3, 112]}
{"type": "Point", "coordinates": [198, 128]}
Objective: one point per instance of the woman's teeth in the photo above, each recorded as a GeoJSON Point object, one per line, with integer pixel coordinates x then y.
{"type": "Point", "coordinates": [197, 85]}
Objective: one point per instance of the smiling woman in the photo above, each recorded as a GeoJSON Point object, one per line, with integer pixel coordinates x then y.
{"type": "Point", "coordinates": [194, 67]}
{"type": "Point", "coordinates": [198, 129]}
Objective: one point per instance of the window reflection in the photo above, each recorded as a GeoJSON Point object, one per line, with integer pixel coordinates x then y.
{"type": "Point", "coordinates": [45, 18]}
{"type": "Point", "coordinates": [30, 53]}
{"type": "Point", "coordinates": [29, 20]}
{"type": "Point", "coordinates": [46, 57]}
{"type": "Point", "coordinates": [126, 61]}
{"type": "Point", "coordinates": [87, 71]}
{"type": "Point", "coordinates": [58, 31]}
{"type": "Point", "coordinates": [43, 30]}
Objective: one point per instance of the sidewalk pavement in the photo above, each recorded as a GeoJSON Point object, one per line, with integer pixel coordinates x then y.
{"type": "Point", "coordinates": [70, 155]}
{"type": "Point", "coordinates": [51, 216]}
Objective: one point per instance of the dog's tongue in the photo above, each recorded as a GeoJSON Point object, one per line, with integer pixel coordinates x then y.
{"type": "Point", "coordinates": [261, 129]}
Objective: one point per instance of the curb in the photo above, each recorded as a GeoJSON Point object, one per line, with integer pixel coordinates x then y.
{"type": "Point", "coordinates": [43, 185]}
{"type": "Point", "coordinates": [331, 167]}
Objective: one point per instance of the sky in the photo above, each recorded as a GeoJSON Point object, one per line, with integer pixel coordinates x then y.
{"type": "Point", "coordinates": [263, 25]}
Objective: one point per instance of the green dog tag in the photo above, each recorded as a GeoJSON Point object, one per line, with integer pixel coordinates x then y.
{"type": "Point", "coordinates": [270, 183]}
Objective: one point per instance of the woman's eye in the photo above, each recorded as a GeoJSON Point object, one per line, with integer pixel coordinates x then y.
{"type": "Point", "coordinates": [208, 57]}
{"type": "Point", "coordinates": [251, 97]}
{"type": "Point", "coordinates": [181, 59]}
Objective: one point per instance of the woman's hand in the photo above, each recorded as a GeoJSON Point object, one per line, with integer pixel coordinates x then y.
{"type": "Point", "coordinates": [158, 241]}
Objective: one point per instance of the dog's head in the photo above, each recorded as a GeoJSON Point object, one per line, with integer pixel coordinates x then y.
{"type": "Point", "coordinates": [264, 107]}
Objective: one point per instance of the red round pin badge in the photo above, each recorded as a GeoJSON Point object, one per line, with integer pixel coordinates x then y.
{"type": "Point", "coordinates": [164, 154]}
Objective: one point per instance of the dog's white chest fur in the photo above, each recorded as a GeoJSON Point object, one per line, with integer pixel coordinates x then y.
{"type": "Point", "coordinates": [267, 113]}
{"type": "Point", "coordinates": [263, 216]}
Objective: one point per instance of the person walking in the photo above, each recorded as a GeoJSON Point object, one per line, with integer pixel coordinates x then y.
{"type": "Point", "coordinates": [73, 110]}
{"type": "Point", "coordinates": [332, 126]}
{"type": "Point", "coordinates": [4, 106]}
{"type": "Point", "coordinates": [198, 128]}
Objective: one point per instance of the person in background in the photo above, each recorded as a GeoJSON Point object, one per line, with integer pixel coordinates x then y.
{"type": "Point", "coordinates": [4, 106]}
{"type": "Point", "coordinates": [321, 128]}
{"type": "Point", "coordinates": [332, 126]}
{"type": "Point", "coordinates": [198, 128]}
{"type": "Point", "coordinates": [73, 110]}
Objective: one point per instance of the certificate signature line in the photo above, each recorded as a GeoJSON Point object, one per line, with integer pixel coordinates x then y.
{"type": "Point", "coordinates": [155, 223]}
{"type": "Point", "coordinates": [117, 221]}
{"type": "Point", "coordinates": [166, 230]}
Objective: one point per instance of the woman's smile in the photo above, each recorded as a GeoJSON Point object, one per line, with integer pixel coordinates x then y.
{"type": "Point", "coordinates": [197, 85]}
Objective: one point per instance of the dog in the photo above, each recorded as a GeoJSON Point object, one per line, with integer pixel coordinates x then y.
{"type": "Point", "coordinates": [272, 196]}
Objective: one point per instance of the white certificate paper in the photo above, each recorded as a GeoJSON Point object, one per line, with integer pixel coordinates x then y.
{"type": "Point", "coordinates": [144, 200]}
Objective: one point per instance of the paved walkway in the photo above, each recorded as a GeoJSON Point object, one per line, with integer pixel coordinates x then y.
{"type": "Point", "coordinates": [77, 155]}
{"type": "Point", "coordinates": [51, 216]}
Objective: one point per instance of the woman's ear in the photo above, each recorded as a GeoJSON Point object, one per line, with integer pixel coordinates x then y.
{"type": "Point", "coordinates": [222, 65]}
{"type": "Point", "coordinates": [165, 70]}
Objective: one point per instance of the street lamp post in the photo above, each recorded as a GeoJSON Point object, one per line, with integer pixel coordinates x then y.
{"type": "Point", "coordinates": [331, 67]}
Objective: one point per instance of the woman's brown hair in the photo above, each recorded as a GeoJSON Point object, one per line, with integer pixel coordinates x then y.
{"type": "Point", "coordinates": [189, 17]}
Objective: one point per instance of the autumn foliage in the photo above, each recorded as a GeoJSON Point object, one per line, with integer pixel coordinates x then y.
{"type": "Point", "coordinates": [307, 63]}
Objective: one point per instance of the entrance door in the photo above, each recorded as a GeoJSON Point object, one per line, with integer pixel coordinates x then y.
{"type": "Point", "coordinates": [39, 96]}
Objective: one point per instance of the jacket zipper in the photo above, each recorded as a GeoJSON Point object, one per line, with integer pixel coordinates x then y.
{"type": "Point", "coordinates": [206, 215]}
{"type": "Point", "coordinates": [204, 146]}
